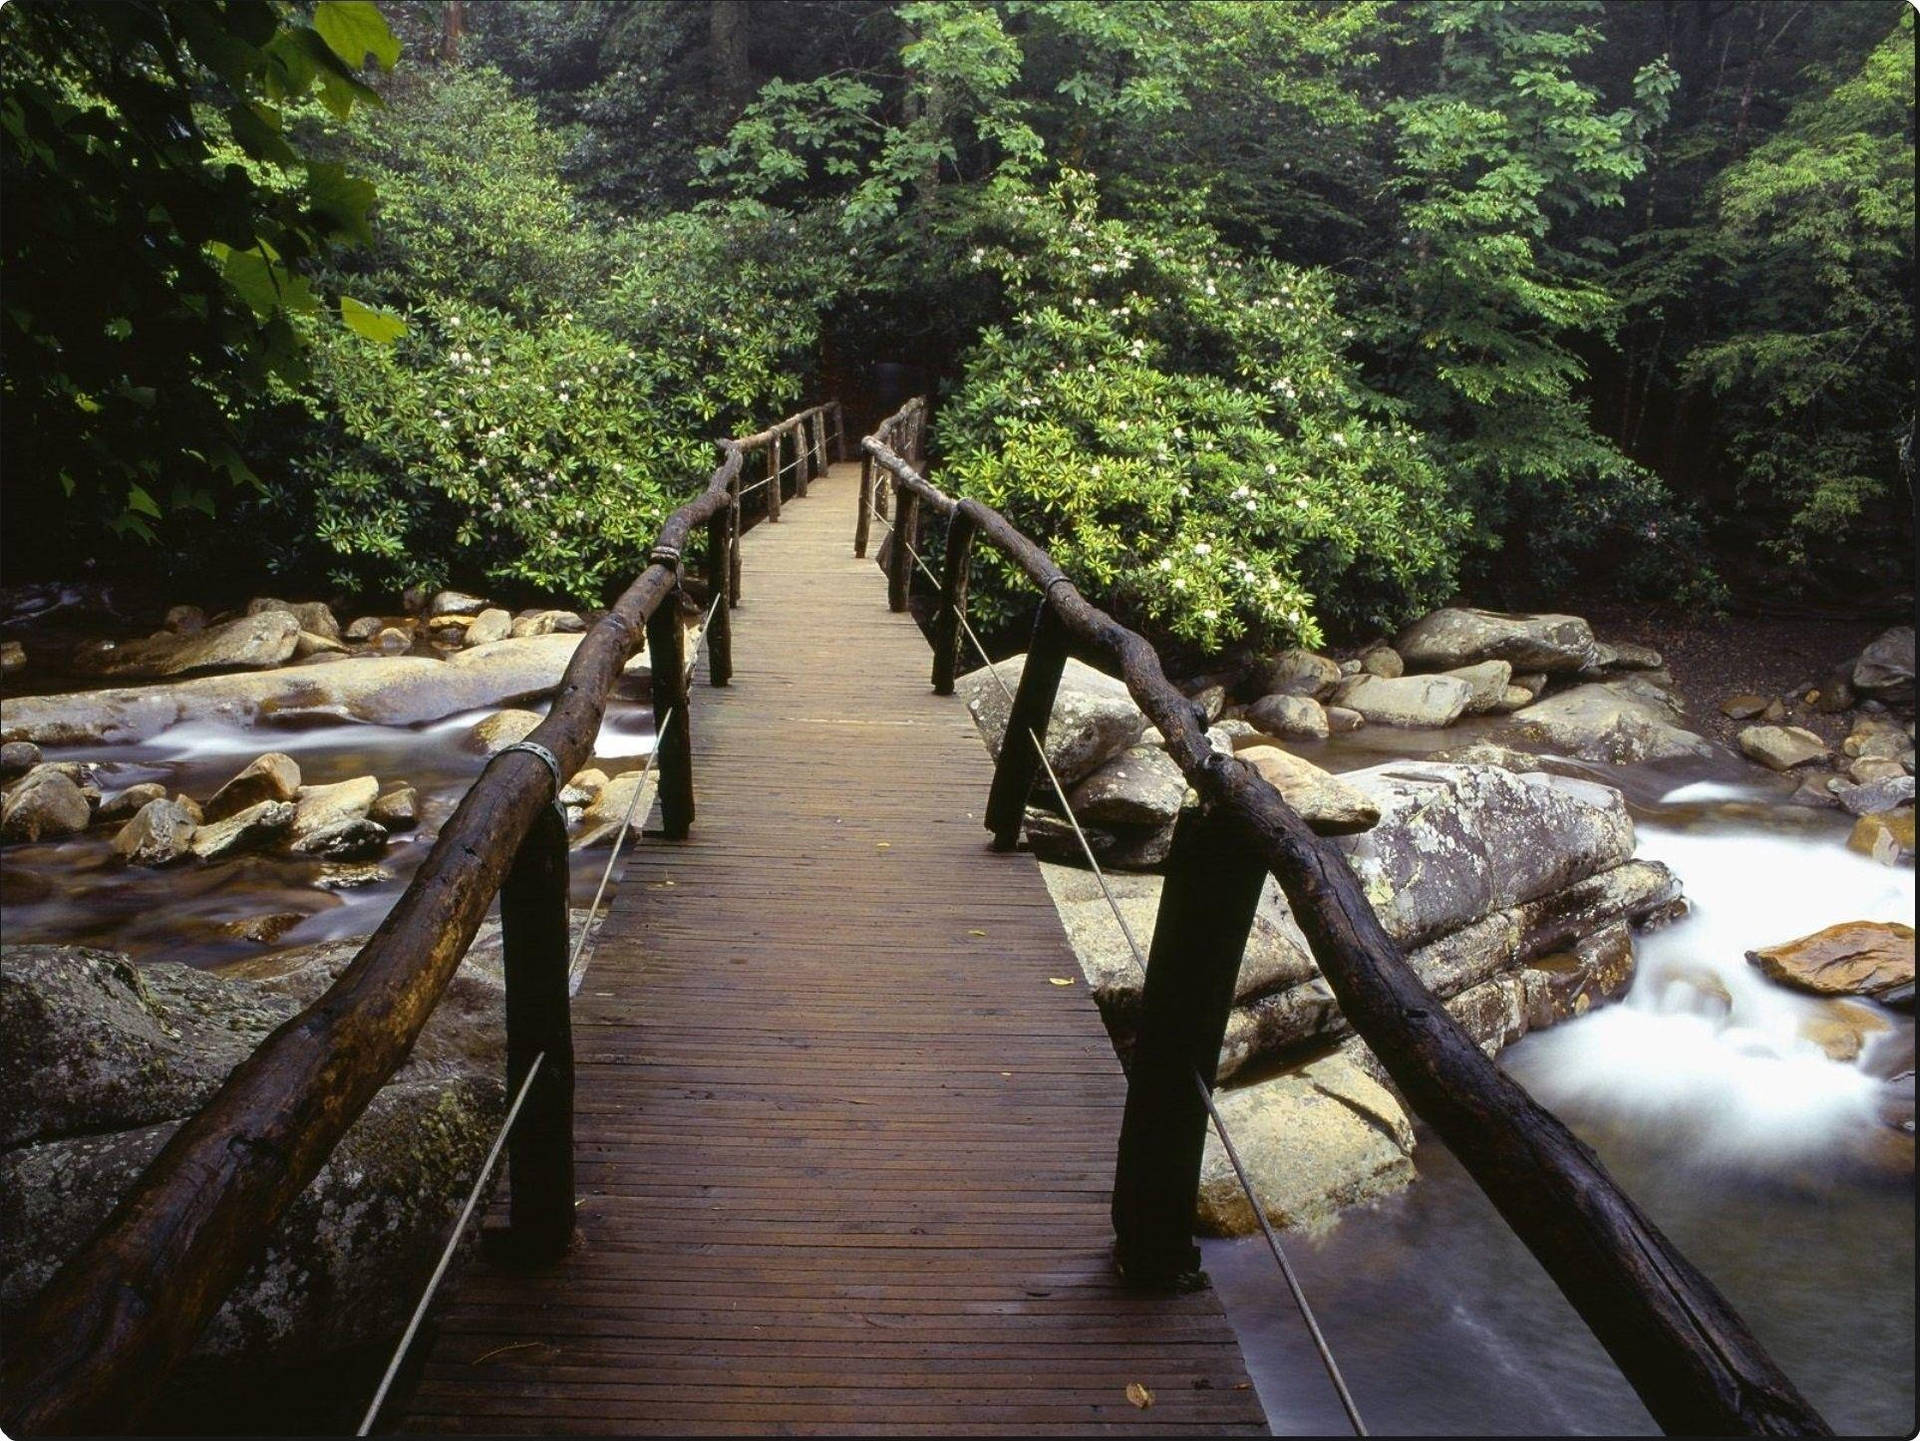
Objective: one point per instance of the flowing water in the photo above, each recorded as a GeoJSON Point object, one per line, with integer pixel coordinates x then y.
{"type": "Point", "coordinates": [1782, 1173]}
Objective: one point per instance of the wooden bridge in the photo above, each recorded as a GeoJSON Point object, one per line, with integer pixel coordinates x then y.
{"type": "Point", "coordinates": [844, 1143]}
{"type": "Point", "coordinates": [832, 1139]}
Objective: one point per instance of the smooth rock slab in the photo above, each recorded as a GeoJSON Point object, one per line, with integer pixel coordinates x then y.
{"type": "Point", "coordinates": [1612, 721]}
{"type": "Point", "coordinates": [1324, 801]}
{"type": "Point", "coordinates": [1142, 786]}
{"type": "Point", "coordinates": [253, 641]}
{"type": "Point", "coordinates": [1854, 958]}
{"type": "Point", "coordinates": [1314, 1141]}
{"type": "Point", "coordinates": [1781, 748]}
{"type": "Point", "coordinates": [1459, 636]}
{"type": "Point", "coordinates": [1413, 701]}
{"type": "Point", "coordinates": [1093, 720]}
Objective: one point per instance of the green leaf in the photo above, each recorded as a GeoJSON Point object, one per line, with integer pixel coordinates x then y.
{"type": "Point", "coordinates": [380, 326]}
{"type": "Point", "coordinates": [355, 29]}
{"type": "Point", "coordinates": [138, 500]}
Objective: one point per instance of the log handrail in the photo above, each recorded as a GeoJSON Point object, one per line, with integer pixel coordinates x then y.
{"type": "Point", "coordinates": [127, 1307]}
{"type": "Point", "coordinates": [1679, 1343]}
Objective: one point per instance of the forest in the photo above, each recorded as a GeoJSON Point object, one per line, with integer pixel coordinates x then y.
{"type": "Point", "coordinates": [1280, 323]}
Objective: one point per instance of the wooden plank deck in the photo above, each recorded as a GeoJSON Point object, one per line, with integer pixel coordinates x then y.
{"type": "Point", "coordinates": [844, 1149]}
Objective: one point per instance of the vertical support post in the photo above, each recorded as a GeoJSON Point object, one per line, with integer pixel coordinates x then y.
{"type": "Point", "coordinates": [953, 601]}
{"type": "Point", "coordinates": [865, 519]}
{"type": "Point", "coordinates": [803, 454]}
{"type": "Point", "coordinates": [1213, 886]}
{"type": "Point", "coordinates": [906, 511]}
{"type": "Point", "coordinates": [839, 432]}
{"type": "Point", "coordinates": [733, 541]}
{"type": "Point", "coordinates": [820, 439]}
{"type": "Point", "coordinates": [666, 648]}
{"type": "Point", "coordinates": [773, 478]}
{"type": "Point", "coordinates": [719, 583]}
{"type": "Point", "coordinates": [533, 919]}
{"type": "Point", "coordinates": [1019, 762]}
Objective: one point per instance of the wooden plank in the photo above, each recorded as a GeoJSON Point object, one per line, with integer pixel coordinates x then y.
{"type": "Point", "coordinates": [844, 1151]}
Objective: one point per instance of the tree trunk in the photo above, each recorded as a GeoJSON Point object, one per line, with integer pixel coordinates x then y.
{"type": "Point", "coordinates": [733, 83]}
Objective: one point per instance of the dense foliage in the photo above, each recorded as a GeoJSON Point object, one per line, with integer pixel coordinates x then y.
{"type": "Point", "coordinates": [1272, 319]}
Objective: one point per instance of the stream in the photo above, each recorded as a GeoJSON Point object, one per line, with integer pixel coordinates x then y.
{"type": "Point", "coordinates": [1773, 1168]}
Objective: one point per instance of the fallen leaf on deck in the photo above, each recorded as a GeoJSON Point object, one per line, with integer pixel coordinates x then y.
{"type": "Point", "coordinates": [883, 845]}
{"type": "Point", "coordinates": [1139, 1395]}
{"type": "Point", "coordinates": [976, 933]}
{"type": "Point", "coordinates": [1059, 980]}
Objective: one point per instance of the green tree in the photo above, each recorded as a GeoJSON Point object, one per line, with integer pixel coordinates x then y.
{"type": "Point", "coordinates": [156, 243]}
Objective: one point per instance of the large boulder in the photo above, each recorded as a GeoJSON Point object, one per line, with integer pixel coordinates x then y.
{"type": "Point", "coordinates": [320, 813]}
{"type": "Point", "coordinates": [383, 690]}
{"type": "Point", "coordinates": [274, 776]}
{"type": "Point", "coordinates": [1614, 721]}
{"type": "Point", "coordinates": [1455, 843]}
{"type": "Point", "coordinates": [1885, 668]}
{"type": "Point", "coordinates": [1489, 681]}
{"type": "Point", "coordinates": [1314, 1140]}
{"type": "Point", "coordinates": [1142, 786]}
{"type": "Point", "coordinates": [1290, 717]}
{"type": "Point", "coordinates": [1093, 720]}
{"type": "Point", "coordinates": [490, 625]}
{"type": "Point", "coordinates": [160, 834]}
{"type": "Point", "coordinates": [46, 805]}
{"type": "Point", "coordinates": [1854, 958]}
{"type": "Point", "coordinates": [1414, 701]}
{"type": "Point", "coordinates": [493, 734]}
{"type": "Point", "coordinates": [1459, 636]}
{"type": "Point", "coordinates": [1294, 672]}
{"type": "Point", "coordinates": [254, 828]}
{"type": "Point", "coordinates": [315, 617]}
{"type": "Point", "coordinates": [100, 1060]}
{"type": "Point", "coordinates": [251, 642]}
{"type": "Point", "coordinates": [1326, 802]}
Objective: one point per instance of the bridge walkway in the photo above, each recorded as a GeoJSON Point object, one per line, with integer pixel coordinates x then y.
{"type": "Point", "coordinates": [845, 1140]}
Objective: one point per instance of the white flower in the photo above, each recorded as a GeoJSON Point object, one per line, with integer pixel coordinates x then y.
{"type": "Point", "coordinates": [1165, 564]}
{"type": "Point", "coordinates": [1300, 502]}
{"type": "Point", "coordinates": [1209, 615]}
{"type": "Point", "coordinates": [1202, 548]}
{"type": "Point", "coordinates": [1179, 582]}
{"type": "Point", "coordinates": [1252, 507]}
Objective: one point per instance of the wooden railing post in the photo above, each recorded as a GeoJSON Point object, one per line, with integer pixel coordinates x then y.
{"type": "Point", "coordinates": [839, 432]}
{"type": "Point", "coordinates": [803, 454]}
{"type": "Point", "coordinates": [1019, 762]}
{"type": "Point", "coordinates": [953, 602]}
{"type": "Point", "coordinates": [865, 518]}
{"type": "Point", "coordinates": [773, 477]}
{"type": "Point", "coordinates": [533, 923]}
{"type": "Point", "coordinates": [673, 739]}
{"type": "Point", "coordinates": [1207, 905]}
{"type": "Point", "coordinates": [906, 511]}
{"type": "Point", "coordinates": [733, 538]}
{"type": "Point", "coordinates": [719, 599]}
{"type": "Point", "coordinates": [820, 439]}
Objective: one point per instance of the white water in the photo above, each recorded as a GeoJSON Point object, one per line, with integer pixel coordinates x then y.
{"type": "Point", "coordinates": [624, 732]}
{"type": "Point", "coordinates": [1731, 1077]}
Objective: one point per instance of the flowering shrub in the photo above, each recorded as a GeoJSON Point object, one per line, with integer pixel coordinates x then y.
{"type": "Point", "coordinates": [1181, 427]}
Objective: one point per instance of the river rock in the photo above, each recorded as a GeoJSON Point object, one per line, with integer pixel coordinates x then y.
{"type": "Point", "coordinates": [1744, 706]}
{"type": "Point", "coordinates": [1212, 701]}
{"type": "Point", "coordinates": [1324, 801]}
{"type": "Point", "coordinates": [44, 806]}
{"type": "Point", "coordinates": [1613, 721]}
{"type": "Point", "coordinates": [1854, 958]}
{"type": "Point", "coordinates": [1417, 701]}
{"type": "Point", "coordinates": [250, 829]}
{"type": "Point", "coordinates": [1488, 682]}
{"type": "Point", "coordinates": [1781, 748]}
{"type": "Point", "coordinates": [1627, 655]}
{"type": "Point", "coordinates": [1876, 737]}
{"type": "Point", "coordinates": [1884, 794]}
{"type": "Point", "coordinates": [17, 758]}
{"type": "Point", "coordinates": [13, 657]}
{"type": "Point", "coordinates": [353, 838]}
{"type": "Point", "coordinates": [1294, 672]}
{"type": "Point", "coordinates": [365, 628]}
{"type": "Point", "coordinates": [1842, 1029]}
{"type": "Point", "coordinates": [1115, 847]}
{"type": "Point", "coordinates": [251, 642]}
{"type": "Point", "coordinates": [1290, 717]}
{"type": "Point", "coordinates": [397, 808]}
{"type": "Point", "coordinates": [315, 617]}
{"type": "Point", "coordinates": [1460, 636]}
{"type": "Point", "coordinates": [609, 810]}
{"type": "Point", "coordinates": [490, 625]}
{"type": "Point", "coordinates": [262, 930]}
{"type": "Point", "coordinates": [124, 805]}
{"type": "Point", "coordinates": [1341, 720]}
{"type": "Point", "coordinates": [1885, 667]}
{"type": "Point", "coordinates": [391, 640]}
{"type": "Point", "coordinates": [1816, 789]}
{"type": "Point", "coordinates": [494, 733]}
{"type": "Point", "coordinates": [1314, 1140]}
{"type": "Point", "coordinates": [1142, 786]}
{"type": "Point", "coordinates": [1093, 720]}
{"type": "Point", "coordinates": [185, 618]}
{"type": "Point", "coordinates": [1383, 661]}
{"type": "Point", "coordinates": [321, 808]}
{"type": "Point", "coordinates": [455, 602]}
{"type": "Point", "coordinates": [160, 834]}
{"type": "Point", "coordinates": [583, 787]}
{"type": "Point", "coordinates": [546, 622]}
{"type": "Point", "coordinates": [1887, 836]}
{"type": "Point", "coordinates": [1869, 769]}
{"type": "Point", "coordinates": [308, 644]}
{"type": "Point", "coordinates": [98, 1062]}
{"type": "Point", "coordinates": [274, 776]}
{"type": "Point", "coordinates": [394, 691]}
